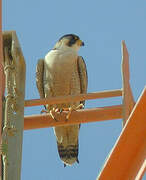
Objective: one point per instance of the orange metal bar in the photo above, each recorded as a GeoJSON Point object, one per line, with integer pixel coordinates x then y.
{"type": "Point", "coordinates": [73, 98]}
{"type": "Point", "coordinates": [77, 117]}
{"type": "Point", "coordinates": [128, 100]}
{"type": "Point", "coordinates": [129, 153]}
{"type": "Point", "coordinates": [141, 171]}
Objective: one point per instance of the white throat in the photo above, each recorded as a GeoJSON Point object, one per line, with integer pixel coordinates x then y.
{"type": "Point", "coordinates": [64, 47]}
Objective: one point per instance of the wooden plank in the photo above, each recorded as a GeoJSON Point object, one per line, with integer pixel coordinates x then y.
{"type": "Point", "coordinates": [128, 100]}
{"type": "Point", "coordinates": [12, 134]}
{"type": "Point", "coordinates": [129, 152]}
{"type": "Point", "coordinates": [73, 98]}
{"type": "Point", "coordinates": [77, 117]}
{"type": "Point", "coordinates": [1, 82]}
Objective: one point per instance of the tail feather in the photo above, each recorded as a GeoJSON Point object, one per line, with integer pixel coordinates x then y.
{"type": "Point", "coordinates": [69, 154]}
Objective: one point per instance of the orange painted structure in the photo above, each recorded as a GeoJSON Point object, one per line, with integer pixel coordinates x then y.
{"type": "Point", "coordinates": [127, 159]}
{"type": "Point", "coordinates": [77, 117]}
{"type": "Point", "coordinates": [80, 97]}
{"type": "Point", "coordinates": [128, 100]}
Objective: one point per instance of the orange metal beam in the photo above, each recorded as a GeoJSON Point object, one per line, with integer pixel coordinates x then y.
{"type": "Point", "coordinates": [128, 100]}
{"type": "Point", "coordinates": [77, 117]}
{"type": "Point", "coordinates": [73, 98]}
{"type": "Point", "coordinates": [141, 171]}
{"type": "Point", "coordinates": [129, 153]}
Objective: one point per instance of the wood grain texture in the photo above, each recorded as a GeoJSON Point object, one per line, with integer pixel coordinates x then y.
{"type": "Point", "coordinates": [12, 135]}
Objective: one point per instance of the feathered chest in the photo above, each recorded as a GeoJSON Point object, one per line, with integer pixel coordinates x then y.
{"type": "Point", "coordinates": [59, 65]}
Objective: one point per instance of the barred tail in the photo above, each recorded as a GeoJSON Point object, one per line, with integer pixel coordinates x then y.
{"type": "Point", "coordinates": [68, 154]}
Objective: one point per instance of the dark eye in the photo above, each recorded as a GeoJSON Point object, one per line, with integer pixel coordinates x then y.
{"type": "Point", "coordinates": [71, 42]}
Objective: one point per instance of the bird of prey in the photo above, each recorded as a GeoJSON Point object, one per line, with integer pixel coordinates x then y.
{"type": "Point", "coordinates": [62, 72]}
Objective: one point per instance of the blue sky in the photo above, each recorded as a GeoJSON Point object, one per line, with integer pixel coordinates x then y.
{"type": "Point", "coordinates": [101, 24]}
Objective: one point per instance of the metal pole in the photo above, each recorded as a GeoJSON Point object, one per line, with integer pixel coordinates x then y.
{"type": "Point", "coordinates": [76, 117]}
{"type": "Point", "coordinates": [128, 155]}
{"type": "Point", "coordinates": [73, 98]}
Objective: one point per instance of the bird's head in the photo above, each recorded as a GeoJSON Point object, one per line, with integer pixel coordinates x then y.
{"type": "Point", "coordinates": [69, 41]}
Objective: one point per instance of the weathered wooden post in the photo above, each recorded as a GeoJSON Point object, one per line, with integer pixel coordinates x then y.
{"type": "Point", "coordinates": [1, 82]}
{"type": "Point", "coordinates": [12, 133]}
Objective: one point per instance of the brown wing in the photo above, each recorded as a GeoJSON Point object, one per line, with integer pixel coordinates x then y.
{"type": "Point", "coordinates": [82, 70]}
{"type": "Point", "coordinates": [39, 77]}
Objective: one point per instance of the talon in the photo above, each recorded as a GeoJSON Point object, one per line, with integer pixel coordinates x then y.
{"type": "Point", "coordinates": [69, 113]}
{"type": "Point", "coordinates": [57, 110]}
{"type": "Point", "coordinates": [73, 108]}
{"type": "Point", "coordinates": [80, 106]}
{"type": "Point", "coordinates": [61, 110]}
{"type": "Point", "coordinates": [53, 115]}
{"type": "Point", "coordinates": [50, 112]}
{"type": "Point", "coordinates": [44, 111]}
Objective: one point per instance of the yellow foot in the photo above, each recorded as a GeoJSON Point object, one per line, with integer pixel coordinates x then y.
{"type": "Point", "coordinates": [54, 110]}
{"type": "Point", "coordinates": [72, 108]}
{"type": "Point", "coordinates": [51, 113]}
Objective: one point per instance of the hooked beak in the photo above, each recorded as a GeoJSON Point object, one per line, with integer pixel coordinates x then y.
{"type": "Point", "coordinates": [80, 43]}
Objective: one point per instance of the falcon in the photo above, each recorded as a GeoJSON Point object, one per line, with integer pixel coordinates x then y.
{"type": "Point", "coordinates": [63, 72]}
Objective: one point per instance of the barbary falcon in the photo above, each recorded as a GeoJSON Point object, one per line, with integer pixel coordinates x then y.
{"type": "Point", "coordinates": [62, 72]}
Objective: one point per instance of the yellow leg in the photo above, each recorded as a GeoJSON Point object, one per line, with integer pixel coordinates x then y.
{"type": "Point", "coordinates": [73, 108]}
{"type": "Point", "coordinates": [51, 113]}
